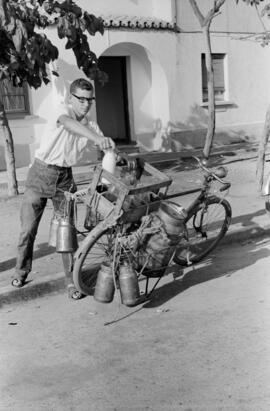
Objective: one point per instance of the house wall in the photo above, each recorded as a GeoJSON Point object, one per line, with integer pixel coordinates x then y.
{"type": "Point", "coordinates": [248, 83]}
{"type": "Point", "coordinates": [164, 76]}
{"type": "Point", "coordinates": [150, 79]}
{"type": "Point", "coordinates": [163, 9]}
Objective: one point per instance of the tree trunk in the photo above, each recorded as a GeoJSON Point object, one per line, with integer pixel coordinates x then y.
{"type": "Point", "coordinates": [262, 149]}
{"type": "Point", "coordinates": [205, 23]}
{"type": "Point", "coordinates": [211, 94]}
{"type": "Point", "coordinates": [9, 153]}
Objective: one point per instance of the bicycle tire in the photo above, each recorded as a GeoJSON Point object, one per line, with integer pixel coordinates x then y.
{"type": "Point", "coordinates": [90, 256]}
{"type": "Point", "coordinates": [216, 217]}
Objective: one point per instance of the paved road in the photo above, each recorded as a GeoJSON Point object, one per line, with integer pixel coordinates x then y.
{"type": "Point", "coordinates": [201, 344]}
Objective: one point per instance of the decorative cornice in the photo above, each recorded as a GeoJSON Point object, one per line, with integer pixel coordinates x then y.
{"type": "Point", "coordinates": [137, 23]}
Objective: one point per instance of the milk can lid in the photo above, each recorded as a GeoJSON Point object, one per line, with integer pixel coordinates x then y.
{"type": "Point", "coordinates": [173, 209]}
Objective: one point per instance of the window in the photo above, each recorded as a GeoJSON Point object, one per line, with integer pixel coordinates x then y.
{"type": "Point", "coordinates": [219, 81]}
{"type": "Point", "coordinates": [15, 99]}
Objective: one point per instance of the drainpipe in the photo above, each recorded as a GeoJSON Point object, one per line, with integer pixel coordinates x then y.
{"type": "Point", "coordinates": [175, 12]}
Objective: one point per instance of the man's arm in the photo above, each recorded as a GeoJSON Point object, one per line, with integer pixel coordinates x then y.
{"type": "Point", "coordinates": [79, 129]}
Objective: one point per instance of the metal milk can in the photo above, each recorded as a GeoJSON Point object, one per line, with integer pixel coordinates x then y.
{"type": "Point", "coordinates": [129, 285]}
{"type": "Point", "coordinates": [104, 289]}
{"type": "Point", "coordinates": [66, 236]}
{"type": "Point", "coordinates": [53, 231]}
{"type": "Point", "coordinates": [172, 215]}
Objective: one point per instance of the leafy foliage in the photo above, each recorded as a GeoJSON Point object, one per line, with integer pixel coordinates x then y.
{"type": "Point", "coordinates": [25, 50]}
{"type": "Point", "coordinates": [264, 37]}
{"type": "Point", "coordinates": [250, 2]}
{"type": "Point", "coordinates": [266, 10]}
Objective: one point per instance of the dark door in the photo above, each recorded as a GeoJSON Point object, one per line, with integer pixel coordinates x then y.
{"type": "Point", "coordinates": [112, 101]}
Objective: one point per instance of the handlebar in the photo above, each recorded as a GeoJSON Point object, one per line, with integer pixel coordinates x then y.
{"type": "Point", "coordinates": [220, 173]}
{"type": "Point", "coordinates": [225, 187]}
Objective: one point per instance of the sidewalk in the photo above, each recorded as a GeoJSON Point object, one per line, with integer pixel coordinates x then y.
{"type": "Point", "coordinates": [249, 217]}
{"type": "Point", "coordinates": [223, 154]}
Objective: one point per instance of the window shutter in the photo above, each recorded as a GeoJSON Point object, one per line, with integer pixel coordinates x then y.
{"type": "Point", "coordinates": [219, 82]}
{"type": "Point", "coordinates": [14, 98]}
{"type": "Point", "coordinates": [218, 68]}
{"type": "Point", "coordinates": [204, 73]}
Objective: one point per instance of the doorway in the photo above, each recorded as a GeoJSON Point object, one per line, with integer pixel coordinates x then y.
{"type": "Point", "coordinates": [112, 100]}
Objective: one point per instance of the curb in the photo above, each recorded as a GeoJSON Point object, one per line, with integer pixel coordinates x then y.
{"type": "Point", "coordinates": [56, 283]}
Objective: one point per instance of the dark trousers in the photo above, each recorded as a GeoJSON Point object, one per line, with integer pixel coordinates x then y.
{"type": "Point", "coordinates": [43, 182]}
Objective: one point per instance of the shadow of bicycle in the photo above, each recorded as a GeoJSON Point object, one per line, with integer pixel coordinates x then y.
{"type": "Point", "coordinates": [220, 264]}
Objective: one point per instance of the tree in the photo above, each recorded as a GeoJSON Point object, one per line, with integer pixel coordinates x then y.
{"type": "Point", "coordinates": [26, 51]}
{"type": "Point", "coordinates": [205, 23]}
{"type": "Point", "coordinates": [264, 39]}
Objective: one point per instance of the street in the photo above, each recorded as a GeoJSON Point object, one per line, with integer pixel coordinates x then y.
{"type": "Point", "coordinates": [201, 343]}
{"type": "Point", "coordinates": [139, 105]}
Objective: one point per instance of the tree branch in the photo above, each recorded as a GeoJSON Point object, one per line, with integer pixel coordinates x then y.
{"type": "Point", "coordinates": [262, 149]}
{"type": "Point", "coordinates": [218, 4]}
{"type": "Point", "coordinates": [260, 18]}
{"type": "Point", "coordinates": [197, 12]}
{"type": "Point", "coordinates": [215, 11]}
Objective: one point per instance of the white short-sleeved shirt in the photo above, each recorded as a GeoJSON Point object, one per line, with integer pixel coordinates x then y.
{"type": "Point", "coordinates": [59, 146]}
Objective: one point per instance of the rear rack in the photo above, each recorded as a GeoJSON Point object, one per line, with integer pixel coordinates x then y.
{"type": "Point", "coordinates": [128, 201]}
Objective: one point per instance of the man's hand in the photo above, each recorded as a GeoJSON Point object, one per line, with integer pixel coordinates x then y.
{"type": "Point", "coordinates": [105, 143]}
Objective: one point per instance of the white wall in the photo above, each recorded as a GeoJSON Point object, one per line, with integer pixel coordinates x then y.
{"type": "Point", "coordinates": [162, 9]}
{"type": "Point", "coordinates": [151, 78]}
{"type": "Point", "coordinates": [247, 65]}
{"type": "Point", "coordinates": [238, 18]}
{"type": "Point", "coordinates": [164, 76]}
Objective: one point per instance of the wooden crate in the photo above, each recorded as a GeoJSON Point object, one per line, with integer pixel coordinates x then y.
{"type": "Point", "coordinates": [118, 196]}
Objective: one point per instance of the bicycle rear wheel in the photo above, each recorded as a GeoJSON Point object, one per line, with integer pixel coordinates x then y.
{"type": "Point", "coordinates": [105, 245]}
{"type": "Point", "coordinates": [96, 249]}
{"type": "Point", "coordinates": [113, 246]}
{"type": "Point", "coordinates": [206, 226]}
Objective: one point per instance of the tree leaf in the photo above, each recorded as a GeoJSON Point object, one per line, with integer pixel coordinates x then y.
{"type": "Point", "coordinates": [3, 17]}
{"type": "Point", "coordinates": [19, 36]}
{"type": "Point", "coordinates": [31, 50]}
{"type": "Point", "coordinates": [93, 24]}
{"type": "Point", "coordinates": [46, 80]}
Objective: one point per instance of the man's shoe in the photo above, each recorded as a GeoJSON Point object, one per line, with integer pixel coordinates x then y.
{"type": "Point", "coordinates": [73, 293]}
{"type": "Point", "coordinates": [17, 282]}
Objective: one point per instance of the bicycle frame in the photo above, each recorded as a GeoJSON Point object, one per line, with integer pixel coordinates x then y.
{"type": "Point", "coordinates": [203, 194]}
{"type": "Point", "coordinates": [200, 199]}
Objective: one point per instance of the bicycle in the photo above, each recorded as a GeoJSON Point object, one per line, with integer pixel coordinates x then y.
{"type": "Point", "coordinates": [122, 215]}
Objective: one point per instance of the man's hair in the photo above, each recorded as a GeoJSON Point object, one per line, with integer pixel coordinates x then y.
{"type": "Point", "coordinates": [82, 84]}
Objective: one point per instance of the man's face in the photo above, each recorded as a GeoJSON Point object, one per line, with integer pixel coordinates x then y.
{"type": "Point", "coordinates": [81, 101]}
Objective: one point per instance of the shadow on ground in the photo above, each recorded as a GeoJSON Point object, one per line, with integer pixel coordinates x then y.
{"type": "Point", "coordinates": [223, 262]}
{"type": "Point", "coordinates": [42, 251]}
{"type": "Point", "coordinates": [248, 219]}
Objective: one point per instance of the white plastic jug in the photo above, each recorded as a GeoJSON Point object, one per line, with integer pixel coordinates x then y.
{"type": "Point", "coordinates": [109, 163]}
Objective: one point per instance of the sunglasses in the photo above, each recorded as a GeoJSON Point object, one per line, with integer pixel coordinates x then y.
{"type": "Point", "coordinates": [84, 99]}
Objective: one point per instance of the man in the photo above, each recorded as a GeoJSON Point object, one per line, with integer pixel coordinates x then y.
{"type": "Point", "coordinates": [68, 135]}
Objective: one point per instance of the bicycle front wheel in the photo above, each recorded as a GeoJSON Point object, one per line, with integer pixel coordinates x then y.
{"type": "Point", "coordinates": [206, 226]}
